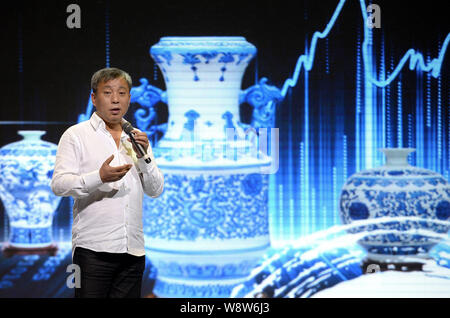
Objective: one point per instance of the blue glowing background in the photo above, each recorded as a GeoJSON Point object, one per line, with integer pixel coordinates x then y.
{"type": "Point", "coordinates": [397, 102]}
{"type": "Point", "coordinates": [348, 91]}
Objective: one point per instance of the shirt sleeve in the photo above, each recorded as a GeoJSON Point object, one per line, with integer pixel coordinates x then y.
{"type": "Point", "coordinates": [67, 180]}
{"type": "Point", "coordinates": [152, 178]}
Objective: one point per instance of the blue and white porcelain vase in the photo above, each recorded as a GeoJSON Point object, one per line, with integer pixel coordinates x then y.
{"type": "Point", "coordinates": [210, 226]}
{"type": "Point", "coordinates": [417, 200]}
{"type": "Point", "coordinates": [26, 169]}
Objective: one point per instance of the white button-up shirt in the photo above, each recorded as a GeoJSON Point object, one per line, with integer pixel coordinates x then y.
{"type": "Point", "coordinates": [107, 217]}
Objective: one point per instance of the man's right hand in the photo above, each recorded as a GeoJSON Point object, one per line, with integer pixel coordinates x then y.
{"type": "Point", "coordinates": [112, 174]}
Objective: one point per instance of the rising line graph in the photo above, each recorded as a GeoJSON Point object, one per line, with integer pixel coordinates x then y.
{"type": "Point", "coordinates": [416, 59]}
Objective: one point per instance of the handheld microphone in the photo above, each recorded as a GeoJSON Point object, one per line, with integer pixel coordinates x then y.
{"type": "Point", "coordinates": [127, 128]}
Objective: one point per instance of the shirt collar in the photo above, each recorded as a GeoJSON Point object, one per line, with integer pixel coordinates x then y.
{"type": "Point", "coordinates": [97, 123]}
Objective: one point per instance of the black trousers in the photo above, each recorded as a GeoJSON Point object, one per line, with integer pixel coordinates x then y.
{"type": "Point", "coordinates": [108, 275]}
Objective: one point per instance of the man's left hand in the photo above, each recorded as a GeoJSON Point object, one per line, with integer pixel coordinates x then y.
{"type": "Point", "coordinates": [141, 138]}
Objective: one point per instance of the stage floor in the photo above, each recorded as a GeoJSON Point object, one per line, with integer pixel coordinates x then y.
{"type": "Point", "coordinates": [320, 272]}
{"type": "Point", "coordinates": [45, 276]}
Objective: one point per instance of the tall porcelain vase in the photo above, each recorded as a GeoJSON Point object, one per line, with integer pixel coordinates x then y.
{"type": "Point", "coordinates": [210, 226]}
{"type": "Point", "coordinates": [26, 169]}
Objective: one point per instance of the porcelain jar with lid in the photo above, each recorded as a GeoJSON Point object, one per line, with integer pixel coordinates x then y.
{"type": "Point", "coordinates": [404, 210]}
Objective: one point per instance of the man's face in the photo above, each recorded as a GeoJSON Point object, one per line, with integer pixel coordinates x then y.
{"type": "Point", "coordinates": [112, 100]}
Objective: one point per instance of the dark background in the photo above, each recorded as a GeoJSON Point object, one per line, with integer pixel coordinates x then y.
{"type": "Point", "coordinates": [47, 67]}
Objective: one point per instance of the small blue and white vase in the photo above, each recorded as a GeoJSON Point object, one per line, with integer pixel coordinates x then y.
{"type": "Point", "coordinates": [417, 200]}
{"type": "Point", "coordinates": [26, 169]}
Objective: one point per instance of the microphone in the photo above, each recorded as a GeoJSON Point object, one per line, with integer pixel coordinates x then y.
{"type": "Point", "coordinates": [127, 128]}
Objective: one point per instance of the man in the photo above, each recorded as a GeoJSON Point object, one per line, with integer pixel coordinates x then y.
{"type": "Point", "coordinates": [99, 167]}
